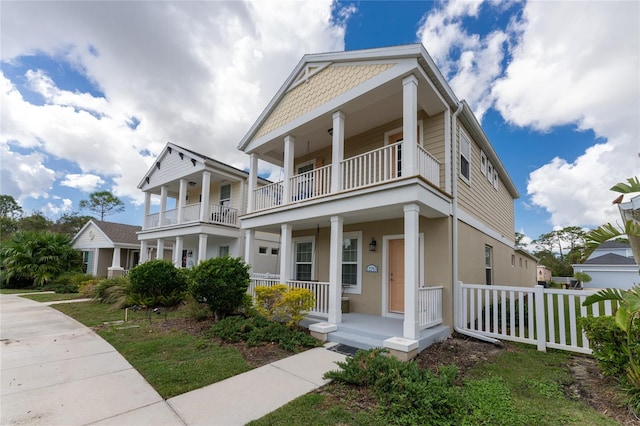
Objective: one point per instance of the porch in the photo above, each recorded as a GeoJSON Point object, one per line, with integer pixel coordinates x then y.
{"type": "Point", "coordinates": [378, 166]}
{"type": "Point", "coordinates": [193, 213]}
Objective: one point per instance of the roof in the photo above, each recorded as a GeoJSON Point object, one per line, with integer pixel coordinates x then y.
{"type": "Point", "coordinates": [610, 259]}
{"type": "Point", "coordinates": [613, 245]}
{"type": "Point", "coordinates": [118, 233]}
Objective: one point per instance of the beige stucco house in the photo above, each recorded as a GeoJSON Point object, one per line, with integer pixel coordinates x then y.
{"type": "Point", "coordinates": [195, 216]}
{"type": "Point", "coordinates": [391, 193]}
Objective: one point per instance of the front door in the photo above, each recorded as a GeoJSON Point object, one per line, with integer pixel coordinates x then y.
{"type": "Point", "coordinates": [396, 276]}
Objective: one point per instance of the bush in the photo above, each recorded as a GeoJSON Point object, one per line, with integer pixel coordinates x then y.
{"type": "Point", "coordinates": [157, 283]}
{"type": "Point", "coordinates": [258, 330]}
{"type": "Point", "coordinates": [607, 341]}
{"type": "Point", "coordinates": [221, 283]}
{"type": "Point", "coordinates": [283, 304]}
{"type": "Point", "coordinates": [112, 291]}
{"type": "Point", "coordinates": [70, 282]}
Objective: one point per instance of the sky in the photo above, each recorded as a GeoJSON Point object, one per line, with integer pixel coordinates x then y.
{"type": "Point", "coordinates": [91, 91]}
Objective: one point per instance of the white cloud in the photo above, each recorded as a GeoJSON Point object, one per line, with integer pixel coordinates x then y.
{"type": "Point", "coordinates": [24, 175]}
{"type": "Point", "coordinates": [581, 71]}
{"type": "Point", "coordinates": [194, 73]}
{"type": "Point", "coordinates": [84, 182]}
{"type": "Point", "coordinates": [55, 210]}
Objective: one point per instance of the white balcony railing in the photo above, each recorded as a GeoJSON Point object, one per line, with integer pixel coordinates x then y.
{"type": "Point", "coordinates": [191, 213]}
{"type": "Point", "coordinates": [429, 306]}
{"type": "Point", "coordinates": [267, 196]}
{"type": "Point", "coordinates": [223, 214]}
{"type": "Point", "coordinates": [428, 166]}
{"type": "Point", "coordinates": [311, 184]}
{"type": "Point", "coordinates": [372, 167]}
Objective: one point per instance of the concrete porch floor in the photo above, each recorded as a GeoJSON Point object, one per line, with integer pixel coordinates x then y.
{"type": "Point", "coordinates": [370, 331]}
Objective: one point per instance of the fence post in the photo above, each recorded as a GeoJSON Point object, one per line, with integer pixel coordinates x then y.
{"type": "Point", "coordinates": [541, 328]}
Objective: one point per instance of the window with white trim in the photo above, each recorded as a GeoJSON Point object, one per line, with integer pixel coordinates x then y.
{"type": "Point", "coordinates": [495, 179]}
{"type": "Point", "coordinates": [352, 262]}
{"type": "Point", "coordinates": [483, 163]}
{"type": "Point", "coordinates": [489, 171]}
{"type": "Point", "coordinates": [303, 260]}
{"type": "Point", "coordinates": [488, 264]}
{"type": "Point", "coordinates": [262, 250]}
{"type": "Point", "coordinates": [223, 251]}
{"type": "Point", "coordinates": [225, 194]}
{"type": "Point", "coordinates": [465, 156]}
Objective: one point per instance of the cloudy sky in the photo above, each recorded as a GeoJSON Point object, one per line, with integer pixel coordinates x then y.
{"type": "Point", "coordinates": [91, 91]}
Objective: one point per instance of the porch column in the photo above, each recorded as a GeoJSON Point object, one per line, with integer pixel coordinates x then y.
{"type": "Point", "coordinates": [253, 181]}
{"type": "Point", "coordinates": [177, 252]}
{"type": "Point", "coordinates": [202, 247]}
{"type": "Point", "coordinates": [337, 151]}
{"type": "Point", "coordinates": [182, 194]}
{"type": "Point", "coordinates": [249, 242]}
{"type": "Point", "coordinates": [160, 249]}
{"type": "Point", "coordinates": [115, 261]}
{"type": "Point", "coordinates": [409, 125]}
{"type": "Point", "coordinates": [447, 151]}
{"type": "Point", "coordinates": [286, 253]}
{"type": "Point", "coordinates": [144, 251]}
{"type": "Point", "coordinates": [147, 206]}
{"type": "Point", "coordinates": [335, 270]}
{"type": "Point", "coordinates": [163, 204]}
{"type": "Point", "coordinates": [411, 328]}
{"type": "Point", "coordinates": [289, 152]}
{"type": "Point", "coordinates": [204, 203]}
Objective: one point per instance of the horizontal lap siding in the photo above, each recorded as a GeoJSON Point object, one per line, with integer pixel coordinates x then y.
{"type": "Point", "coordinates": [433, 138]}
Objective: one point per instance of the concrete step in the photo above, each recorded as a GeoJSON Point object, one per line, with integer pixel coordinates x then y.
{"type": "Point", "coordinates": [355, 340]}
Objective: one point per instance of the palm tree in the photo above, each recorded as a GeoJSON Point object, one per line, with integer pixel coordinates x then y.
{"type": "Point", "coordinates": [37, 257]}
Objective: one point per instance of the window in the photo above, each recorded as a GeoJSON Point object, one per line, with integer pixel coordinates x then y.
{"type": "Point", "coordinates": [526, 264]}
{"type": "Point", "coordinates": [351, 262]}
{"type": "Point", "coordinates": [87, 262]}
{"type": "Point", "coordinates": [465, 156]}
{"type": "Point", "coordinates": [495, 179]}
{"type": "Point", "coordinates": [513, 260]}
{"type": "Point", "coordinates": [488, 262]}
{"type": "Point", "coordinates": [262, 250]}
{"type": "Point", "coordinates": [225, 194]}
{"type": "Point", "coordinates": [275, 251]}
{"type": "Point", "coordinates": [223, 251]}
{"type": "Point", "coordinates": [520, 261]}
{"type": "Point", "coordinates": [489, 172]}
{"type": "Point", "coordinates": [303, 265]}
{"type": "Point", "coordinates": [483, 163]}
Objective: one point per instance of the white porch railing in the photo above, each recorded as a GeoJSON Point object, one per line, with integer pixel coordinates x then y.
{"type": "Point", "coordinates": [170, 217]}
{"type": "Point", "coordinates": [319, 289]}
{"type": "Point", "coordinates": [268, 196]}
{"type": "Point", "coordinates": [543, 317]}
{"type": "Point", "coordinates": [311, 184]}
{"type": "Point", "coordinates": [265, 280]}
{"type": "Point", "coordinates": [428, 166]}
{"type": "Point", "coordinates": [191, 213]}
{"type": "Point", "coordinates": [223, 215]}
{"type": "Point", "coordinates": [429, 306]}
{"type": "Point", "coordinates": [152, 221]}
{"type": "Point", "coordinates": [372, 167]}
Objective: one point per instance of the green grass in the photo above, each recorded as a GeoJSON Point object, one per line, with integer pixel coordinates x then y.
{"type": "Point", "coordinates": [18, 290]}
{"type": "Point", "coordinates": [53, 297]}
{"type": "Point", "coordinates": [520, 386]}
{"type": "Point", "coordinates": [173, 362]}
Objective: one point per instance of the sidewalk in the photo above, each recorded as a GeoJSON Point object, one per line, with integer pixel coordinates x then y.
{"type": "Point", "coordinates": [55, 371]}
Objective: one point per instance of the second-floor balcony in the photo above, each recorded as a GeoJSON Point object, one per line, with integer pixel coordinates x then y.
{"type": "Point", "coordinates": [192, 213]}
{"type": "Point", "coordinates": [365, 170]}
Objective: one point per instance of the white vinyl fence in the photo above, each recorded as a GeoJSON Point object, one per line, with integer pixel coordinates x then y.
{"type": "Point", "coordinates": [535, 315]}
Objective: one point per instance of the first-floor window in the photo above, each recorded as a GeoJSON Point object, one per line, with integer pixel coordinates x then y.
{"type": "Point", "coordinates": [304, 261]}
{"type": "Point", "coordinates": [488, 262]}
{"type": "Point", "coordinates": [87, 262]}
{"type": "Point", "coordinates": [223, 251]}
{"type": "Point", "coordinates": [352, 261]}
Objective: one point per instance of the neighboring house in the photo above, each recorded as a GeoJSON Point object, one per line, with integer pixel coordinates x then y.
{"type": "Point", "coordinates": [391, 192]}
{"type": "Point", "coordinates": [544, 273]}
{"type": "Point", "coordinates": [199, 202]}
{"type": "Point", "coordinates": [611, 265]}
{"type": "Point", "coordinates": [108, 249]}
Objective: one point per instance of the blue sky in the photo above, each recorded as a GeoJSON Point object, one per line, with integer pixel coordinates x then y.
{"type": "Point", "coordinates": [91, 91]}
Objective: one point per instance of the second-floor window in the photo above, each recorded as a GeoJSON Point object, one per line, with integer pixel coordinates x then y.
{"type": "Point", "coordinates": [225, 194]}
{"type": "Point", "coordinates": [465, 156]}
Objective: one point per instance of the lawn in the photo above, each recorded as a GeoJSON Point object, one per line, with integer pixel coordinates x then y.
{"type": "Point", "coordinates": [53, 297]}
{"type": "Point", "coordinates": [17, 290]}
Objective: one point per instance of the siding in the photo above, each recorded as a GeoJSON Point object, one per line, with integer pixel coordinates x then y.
{"type": "Point", "coordinates": [99, 240]}
{"type": "Point", "coordinates": [480, 199]}
{"type": "Point", "coordinates": [214, 195]}
{"type": "Point", "coordinates": [172, 167]}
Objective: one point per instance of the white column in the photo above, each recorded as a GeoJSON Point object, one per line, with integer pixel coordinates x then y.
{"type": "Point", "coordinates": [160, 249]}
{"type": "Point", "coordinates": [411, 328]}
{"type": "Point", "coordinates": [202, 247]}
{"type": "Point", "coordinates": [147, 206]}
{"type": "Point", "coordinates": [409, 125]}
{"type": "Point", "coordinates": [115, 261]}
{"type": "Point", "coordinates": [177, 252]}
{"type": "Point", "coordinates": [289, 152]}
{"type": "Point", "coordinates": [447, 151]}
{"type": "Point", "coordinates": [249, 244]}
{"type": "Point", "coordinates": [286, 253]}
{"type": "Point", "coordinates": [163, 204]}
{"type": "Point", "coordinates": [182, 195]}
{"type": "Point", "coordinates": [337, 151]}
{"type": "Point", "coordinates": [253, 181]}
{"type": "Point", "coordinates": [144, 251]}
{"type": "Point", "coordinates": [335, 270]}
{"type": "Point", "coordinates": [204, 204]}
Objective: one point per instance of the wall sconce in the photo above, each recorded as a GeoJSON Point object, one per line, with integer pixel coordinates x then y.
{"type": "Point", "coordinates": [330, 131]}
{"type": "Point", "coordinates": [190, 253]}
{"type": "Point", "coordinates": [192, 183]}
{"type": "Point", "coordinates": [372, 244]}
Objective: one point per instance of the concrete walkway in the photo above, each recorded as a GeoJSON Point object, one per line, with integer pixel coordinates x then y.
{"type": "Point", "coordinates": [55, 371]}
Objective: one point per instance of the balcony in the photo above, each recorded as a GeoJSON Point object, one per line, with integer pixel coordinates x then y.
{"type": "Point", "coordinates": [365, 170]}
{"type": "Point", "coordinates": [215, 214]}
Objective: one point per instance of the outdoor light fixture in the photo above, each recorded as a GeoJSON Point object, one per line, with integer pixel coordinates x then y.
{"type": "Point", "coordinates": [189, 253]}
{"type": "Point", "coordinates": [330, 131]}
{"type": "Point", "coordinates": [192, 183]}
{"type": "Point", "coordinates": [372, 244]}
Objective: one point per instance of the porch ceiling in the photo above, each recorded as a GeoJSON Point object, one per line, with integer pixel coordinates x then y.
{"type": "Point", "coordinates": [374, 108]}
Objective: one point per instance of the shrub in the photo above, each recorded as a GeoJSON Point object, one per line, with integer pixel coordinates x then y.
{"type": "Point", "coordinates": [607, 340]}
{"type": "Point", "coordinates": [284, 304]}
{"type": "Point", "coordinates": [70, 282]}
{"type": "Point", "coordinates": [221, 283]}
{"type": "Point", "coordinates": [156, 283]}
{"type": "Point", "coordinates": [112, 291]}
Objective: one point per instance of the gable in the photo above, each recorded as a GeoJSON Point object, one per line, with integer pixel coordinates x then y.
{"type": "Point", "coordinates": [91, 236]}
{"type": "Point", "coordinates": [169, 166]}
{"type": "Point", "coordinates": [317, 86]}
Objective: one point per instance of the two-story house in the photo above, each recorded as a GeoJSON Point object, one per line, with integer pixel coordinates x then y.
{"type": "Point", "coordinates": [391, 193]}
{"type": "Point", "coordinates": [199, 202]}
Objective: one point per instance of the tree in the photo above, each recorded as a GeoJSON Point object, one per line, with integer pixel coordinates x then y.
{"type": "Point", "coordinates": [103, 203]}
{"type": "Point", "coordinates": [37, 222]}
{"type": "Point", "coordinates": [37, 258]}
{"type": "Point", "coordinates": [9, 207]}
{"type": "Point", "coordinates": [519, 239]}
{"type": "Point", "coordinates": [70, 223]}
